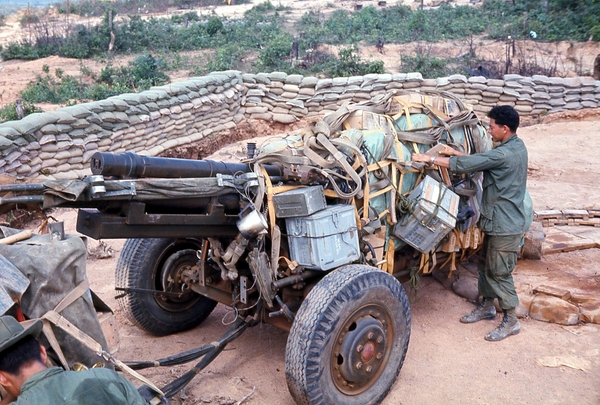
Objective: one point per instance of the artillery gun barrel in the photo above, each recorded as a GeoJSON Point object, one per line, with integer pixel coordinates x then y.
{"type": "Point", "coordinates": [130, 165]}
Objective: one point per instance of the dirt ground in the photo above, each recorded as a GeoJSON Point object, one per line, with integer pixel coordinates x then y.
{"type": "Point", "coordinates": [447, 362]}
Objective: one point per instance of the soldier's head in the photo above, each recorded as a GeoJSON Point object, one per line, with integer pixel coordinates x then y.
{"type": "Point", "coordinates": [504, 121]}
{"type": "Point", "coordinates": [21, 355]}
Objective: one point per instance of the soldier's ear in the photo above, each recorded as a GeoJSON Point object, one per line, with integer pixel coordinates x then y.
{"type": "Point", "coordinates": [6, 381]}
{"type": "Point", "coordinates": [43, 354]}
{"type": "Point", "coordinates": [3, 379]}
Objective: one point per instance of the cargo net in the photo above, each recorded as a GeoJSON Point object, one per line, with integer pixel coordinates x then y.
{"type": "Point", "coordinates": [361, 155]}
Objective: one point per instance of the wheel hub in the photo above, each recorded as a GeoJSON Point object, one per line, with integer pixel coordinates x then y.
{"type": "Point", "coordinates": [361, 351]}
{"type": "Point", "coordinates": [172, 280]}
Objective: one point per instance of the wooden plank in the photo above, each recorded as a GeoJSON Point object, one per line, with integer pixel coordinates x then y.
{"type": "Point", "coordinates": [547, 214]}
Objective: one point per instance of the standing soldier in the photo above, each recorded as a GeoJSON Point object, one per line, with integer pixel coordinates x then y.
{"type": "Point", "coordinates": [503, 216]}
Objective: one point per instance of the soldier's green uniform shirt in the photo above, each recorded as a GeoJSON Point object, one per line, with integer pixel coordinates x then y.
{"type": "Point", "coordinates": [504, 185]}
{"type": "Point", "coordinates": [503, 216]}
{"type": "Point", "coordinates": [97, 386]}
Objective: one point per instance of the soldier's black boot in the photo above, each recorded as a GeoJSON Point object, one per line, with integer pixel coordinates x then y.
{"type": "Point", "coordinates": [485, 310]}
{"type": "Point", "coordinates": [509, 326]}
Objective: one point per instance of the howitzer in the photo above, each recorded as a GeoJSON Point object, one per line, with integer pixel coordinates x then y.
{"type": "Point", "coordinates": [196, 241]}
{"type": "Point", "coordinates": [287, 238]}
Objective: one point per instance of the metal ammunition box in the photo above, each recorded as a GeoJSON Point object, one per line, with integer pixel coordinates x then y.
{"type": "Point", "coordinates": [434, 216]}
{"type": "Point", "coordinates": [299, 202]}
{"type": "Point", "coordinates": [325, 239]}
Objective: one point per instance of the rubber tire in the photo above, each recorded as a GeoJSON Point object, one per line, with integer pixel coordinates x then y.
{"type": "Point", "coordinates": [138, 266]}
{"type": "Point", "coordinates": [319, 320]}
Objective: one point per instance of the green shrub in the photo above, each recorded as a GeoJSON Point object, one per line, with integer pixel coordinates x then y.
{"type": "Point", "coordinates": [23, 50]}
{"type": "Point", "coordinates": [228, 57]}
{"type": "Point", "coordinates": [214, 25]}
{"type": "Point", "coordinates": [47, 89]}
{"type": "Point", "coordinates": [595, 32]}
{"type": "Point", "coordinates": [9, 111]}
{"type": "Point", "coordinates": [141, 74]}
{"type": "Point", "coordinates": [29, 18]}
{"type": "Point", "coordinates": [275, 55]}
{"type": "Point", "coordinates": [350, 64]}
{"type": "Point", "coordinates": [429, 66]}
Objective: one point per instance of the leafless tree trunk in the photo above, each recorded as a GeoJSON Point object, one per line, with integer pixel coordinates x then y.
{"type": "Point", "coordinates": [111, 45]}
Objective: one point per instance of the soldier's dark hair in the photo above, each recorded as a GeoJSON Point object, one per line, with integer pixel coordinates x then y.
{"type": "Point", "coordinates": [505, 115]}
{"type": "Point", "coordinates": [20, 354]}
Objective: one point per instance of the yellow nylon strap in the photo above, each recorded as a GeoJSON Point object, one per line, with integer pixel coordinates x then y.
{"type": "Point", "coordinates": [51, 337]}
{"type": "Point", "coordinates": [91, 344]}
{"type": "Point", "coordinates": [366, 199]}
{"type": "Point", "coordinates": [439, 113]}
{"type": "Point", "coordinates": [359, 223]}
{"type": "Point", "coordinates": [270, 206]}
{"type": "Point", "coordinates": [405, 108]}
{"type": "Point", "coordinates": [373, 167]}
{"type": "Point", "coordinates": [424, 265]}
{"type": "Point", "coordinates": [331, 194]}
{"type": "Point", "coordinates": [388, 265]}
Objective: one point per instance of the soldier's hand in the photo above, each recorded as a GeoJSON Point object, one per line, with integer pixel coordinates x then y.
{"type": "Point", "coordinates": [420, 157]}
{"type": "Point", "coordinates": [449, 151]}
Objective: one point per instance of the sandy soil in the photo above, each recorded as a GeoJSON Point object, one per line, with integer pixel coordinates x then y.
{"type": "Point", "coordinates": [447, 362]}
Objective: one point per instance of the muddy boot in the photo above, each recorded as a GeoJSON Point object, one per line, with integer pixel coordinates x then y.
{"type": "Point", "coordinates": [509, 326]}
{"type": "Point", "coordinates": [485, 310]}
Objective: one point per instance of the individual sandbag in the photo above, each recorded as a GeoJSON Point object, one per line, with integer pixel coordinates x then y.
{"type": "Point", "coordinates": [466, 286]}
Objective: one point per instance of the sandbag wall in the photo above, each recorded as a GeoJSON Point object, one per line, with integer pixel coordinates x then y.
{"type": "Point", "coordinates": [60, 143]}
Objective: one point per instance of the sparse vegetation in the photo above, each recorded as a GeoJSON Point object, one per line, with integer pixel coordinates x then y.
{"type": "Point", "coordinates": [59, 88]}
{"type": "Point", "coordinates": [263, 40]}
{"type": "Point", "coordinates": [9, 111]}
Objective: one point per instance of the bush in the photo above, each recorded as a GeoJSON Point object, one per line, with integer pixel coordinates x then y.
{"type": "Point", "coordinates": [276, 54]}
{"type": "Point", "coordinates": [23, 50]}
{"type": "Point", "coordinates": [350, 64]}
{"type": "Point", "coordinates": [141, 74]}
{"type": "Point", "coordinates": [47, 89]}
{"type": "Point", "coordinates": [9, 112]}
{"type": "Point", "coordinates": [429, 66]}
{"type": "Point", "coordinates": [228, 57]}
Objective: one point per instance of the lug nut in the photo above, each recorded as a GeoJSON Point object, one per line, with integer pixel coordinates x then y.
{"type": "Point", "coordinates": [359, 348]}
{"type": "Point", "coordinates": [370, 336]}
{"type": "Point", "coordinates": [358, 365]}
{"type": "Point", "coordinates": [380, 339]}
{"type": "Point", "coordinates": [379, 356]}
{"type": "Point", "coordinates": [369, 369]}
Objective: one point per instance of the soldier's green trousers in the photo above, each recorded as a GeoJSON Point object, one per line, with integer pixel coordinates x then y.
{"type": "Point", "coordinates": [497, 260]}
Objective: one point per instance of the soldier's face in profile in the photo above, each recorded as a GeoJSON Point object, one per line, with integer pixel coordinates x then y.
{"type": "Point", "coordinates": [498, 132]}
